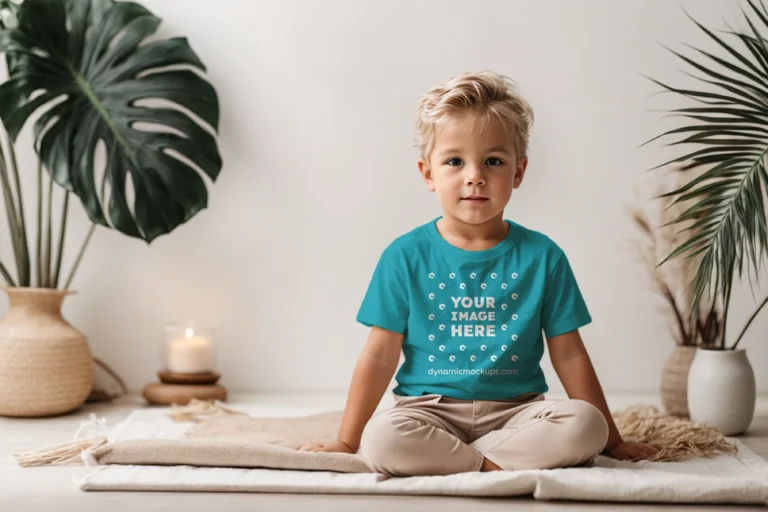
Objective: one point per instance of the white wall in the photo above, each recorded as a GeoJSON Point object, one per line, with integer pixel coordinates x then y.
{"type": "Point", "coordinates": [318, 99]}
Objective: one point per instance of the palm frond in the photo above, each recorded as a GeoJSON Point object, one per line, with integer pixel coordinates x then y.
{"type": "Point", "coordinates": [726, 135]}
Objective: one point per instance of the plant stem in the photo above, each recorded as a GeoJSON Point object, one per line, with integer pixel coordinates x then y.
{"type": "Point", "coordinates": [85, 242]}
{"type": "Point", "coordinates": [10, 210]}
{"type": "Point", "coordinates": [25, 270]}
{"type": "Point", "coordinates": [667, 293]}
{"type": "Point", "coordinates": [749, 322]}
{"type": "Point", "coordinates": [62, 232]}
{"type": "Point", "coordinates": [6, 275]}
{"type": "Point", "coordinates": [39, 262]}
{"type": "Point", "coordinates": [726, 304]}
{"type": "Point", "coordinates": [80, 256]}
{"type": "Point", "coordinates": [48, 236]}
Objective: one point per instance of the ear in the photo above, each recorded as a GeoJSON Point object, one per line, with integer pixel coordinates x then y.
{"type": "Point", "coordinates": [520, 172]}
{"type": "Point", "coordinates": [426, 174]}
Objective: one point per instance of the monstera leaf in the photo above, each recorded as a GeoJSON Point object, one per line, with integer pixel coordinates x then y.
{"type": "Point", "coordinates": [86, 68]}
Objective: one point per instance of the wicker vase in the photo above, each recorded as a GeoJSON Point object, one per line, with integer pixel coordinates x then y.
{"type": "Point", "coordinates": [46, 366]}
{"type": "Point", "coordinates": [674, 381]}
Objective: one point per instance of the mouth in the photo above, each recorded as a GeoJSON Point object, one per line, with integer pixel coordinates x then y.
{"type": "Point", "coordinates": [474, 199]}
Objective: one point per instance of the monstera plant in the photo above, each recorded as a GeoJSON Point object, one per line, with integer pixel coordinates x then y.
{"type": "Point", "coordinates": [88, 74]}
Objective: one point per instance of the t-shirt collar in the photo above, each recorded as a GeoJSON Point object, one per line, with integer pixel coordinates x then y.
{"type": "Point", "coordinates": [492, 252]}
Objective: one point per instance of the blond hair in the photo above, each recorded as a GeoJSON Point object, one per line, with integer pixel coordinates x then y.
{"type": "Point", "coordinates": [487, 95]}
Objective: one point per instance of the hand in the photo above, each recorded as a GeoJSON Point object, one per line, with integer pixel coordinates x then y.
{"type": "Point", "coordinates": [630, 450]}
{"type": "Point", "coordinates": [324, 446]}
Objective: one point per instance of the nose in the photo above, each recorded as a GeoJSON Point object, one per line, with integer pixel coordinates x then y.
{"type": "Point", "coordinates": [473, 177]}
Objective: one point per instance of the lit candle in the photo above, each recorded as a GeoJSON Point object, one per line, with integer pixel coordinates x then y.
{"type": "Point", "coordinates": [190, 354]}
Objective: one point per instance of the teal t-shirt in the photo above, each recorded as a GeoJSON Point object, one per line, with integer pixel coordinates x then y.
{"type": "Point", "coordinates": [474, 321]}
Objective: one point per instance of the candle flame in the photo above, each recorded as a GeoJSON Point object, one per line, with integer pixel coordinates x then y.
{"type": "Point", "coordinates": [189, 332]}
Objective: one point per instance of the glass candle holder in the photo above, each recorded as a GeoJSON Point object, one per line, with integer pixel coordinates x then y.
{"type": "Point", "coordinates": [189, 349]}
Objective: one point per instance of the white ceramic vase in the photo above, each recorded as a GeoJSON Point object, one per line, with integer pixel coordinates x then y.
{"type": "Point", "coordinates": [722, 390]}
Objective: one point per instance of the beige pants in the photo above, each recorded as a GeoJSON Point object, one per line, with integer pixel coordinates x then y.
{"type": "Point", "coordinates": [436, 435]}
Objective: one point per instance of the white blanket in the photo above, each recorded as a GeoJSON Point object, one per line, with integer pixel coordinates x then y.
{"type": "Point", "coordinates": [723, 479]}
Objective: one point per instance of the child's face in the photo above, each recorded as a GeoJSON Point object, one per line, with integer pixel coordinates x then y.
{"type": "Point", "coordinates": [473, 171]}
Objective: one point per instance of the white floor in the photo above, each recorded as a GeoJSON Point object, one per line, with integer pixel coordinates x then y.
{"type": "Point", "coordinates": [53, 488]}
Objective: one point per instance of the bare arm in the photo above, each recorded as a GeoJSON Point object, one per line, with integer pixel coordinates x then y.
{"type": "Point", "coordinates": [574, 368]}
{"type": "Point", "coordinates": [373, 372]}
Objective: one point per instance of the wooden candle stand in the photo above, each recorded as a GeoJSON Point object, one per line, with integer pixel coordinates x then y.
{"type": "Point", "coordinates": [180, 388]}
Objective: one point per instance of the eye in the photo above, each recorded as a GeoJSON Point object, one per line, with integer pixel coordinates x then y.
{"type": "Point", "coordinates": [494, 162]}
{"type": "Point", "coordinates": [454, 161]}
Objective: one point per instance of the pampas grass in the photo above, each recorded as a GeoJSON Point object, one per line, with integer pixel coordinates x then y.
{"type": "Point", "coordinates": [654, 240]}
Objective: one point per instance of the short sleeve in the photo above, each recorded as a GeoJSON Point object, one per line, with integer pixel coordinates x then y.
{"type": "Point", "coordinates": [385, 304]}
{"type": "Point", "coordinates": [564, 308]}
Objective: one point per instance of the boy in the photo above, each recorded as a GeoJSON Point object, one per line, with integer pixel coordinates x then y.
{"type": "Point", "coordinates": [468, 298]}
